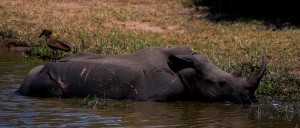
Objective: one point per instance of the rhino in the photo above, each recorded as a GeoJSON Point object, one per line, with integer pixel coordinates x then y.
{"type": "Point", "coordinates": [151, 74]}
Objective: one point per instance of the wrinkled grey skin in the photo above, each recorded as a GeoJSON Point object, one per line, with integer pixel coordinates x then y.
{"type": "Point", "coordinates": [152, 74]}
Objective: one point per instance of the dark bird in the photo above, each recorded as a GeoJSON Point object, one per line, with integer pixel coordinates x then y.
{"type": "Point", "coordinates": [54, 44]}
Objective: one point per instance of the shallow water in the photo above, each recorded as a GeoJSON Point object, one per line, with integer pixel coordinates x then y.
{"type": "Point", "coordinates": [22, 111]}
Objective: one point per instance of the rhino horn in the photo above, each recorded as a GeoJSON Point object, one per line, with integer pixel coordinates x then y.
{"type": "Point", "coordinates": [256, 76]}
{"type": "Point", "coordinates": [237, 72]}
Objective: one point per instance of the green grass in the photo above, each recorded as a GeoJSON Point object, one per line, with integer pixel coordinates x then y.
{"type": "Point", "coordinates": [120, 27]}
{"type": "Point", "coordinates": [96, 103]}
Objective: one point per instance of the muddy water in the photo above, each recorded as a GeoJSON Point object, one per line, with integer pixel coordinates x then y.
{"type": "Point", "coordinates": [22, 111]}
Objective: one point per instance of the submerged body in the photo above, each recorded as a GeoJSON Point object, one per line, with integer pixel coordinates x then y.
{"type": "Point", "coordinates": [156, 74]}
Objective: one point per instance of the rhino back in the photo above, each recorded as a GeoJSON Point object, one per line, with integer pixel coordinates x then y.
{"type": "Point", "coordinates": [142, 75]}
{"type": "Point", "coordinates": [102, 77]}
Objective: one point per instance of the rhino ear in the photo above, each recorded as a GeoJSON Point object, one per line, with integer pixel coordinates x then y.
{"type": "Point", "coordinates": [179, 62]}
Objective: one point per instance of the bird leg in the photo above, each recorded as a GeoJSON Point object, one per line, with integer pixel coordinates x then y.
{"type": "Point", "coordinates": [55, 55]}
{"type": "Point", "coordinates": [52, 55]}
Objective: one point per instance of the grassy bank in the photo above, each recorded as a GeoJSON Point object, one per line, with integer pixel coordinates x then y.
{"type": "Point", "coordinates": [118, 27]}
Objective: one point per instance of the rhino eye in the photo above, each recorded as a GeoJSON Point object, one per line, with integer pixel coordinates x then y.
{"type": "Point", "coordinates": [208, 81]}
{"type": "Point", "coordinates": [222, 83]}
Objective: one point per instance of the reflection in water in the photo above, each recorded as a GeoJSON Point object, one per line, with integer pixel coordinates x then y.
{"type": "Point", "coordinates": [40, 112]}
{"type": "Point", "coordinates": [184, 114]}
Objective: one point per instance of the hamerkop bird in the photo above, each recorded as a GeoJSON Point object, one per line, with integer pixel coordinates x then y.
{"type": "Point", "coordinates": [54, 44]}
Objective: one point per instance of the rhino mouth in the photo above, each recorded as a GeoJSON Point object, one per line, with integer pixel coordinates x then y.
{"type": "Point", "coordinates": [239, 100]}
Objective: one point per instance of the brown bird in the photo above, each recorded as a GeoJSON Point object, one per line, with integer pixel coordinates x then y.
{"type": "Point", "coordinates": [54, 44]}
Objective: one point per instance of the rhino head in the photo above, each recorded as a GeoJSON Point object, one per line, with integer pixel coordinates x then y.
{"type": "Point", "coordinates": [207, 82]}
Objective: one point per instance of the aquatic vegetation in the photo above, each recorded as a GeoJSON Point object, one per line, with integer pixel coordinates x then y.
{"type": "Point", "coordinates": [274, 109]}
{"type": "Point", "coordinates": [96, 103]}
